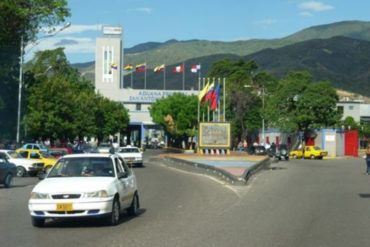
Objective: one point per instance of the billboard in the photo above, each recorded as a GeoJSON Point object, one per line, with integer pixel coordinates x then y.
{"type": "Point", "coordinates": [112, 30]}
{"type": "Point", "coordinates": [214, 135]}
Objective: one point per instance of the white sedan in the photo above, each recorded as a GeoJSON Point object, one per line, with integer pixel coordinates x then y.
{"type": "Point", "coordinates": [132, 155]}
{"type": "Point", "coordinates": [85, 185]}
{"type": "Point", "coordinates": [24, 166]}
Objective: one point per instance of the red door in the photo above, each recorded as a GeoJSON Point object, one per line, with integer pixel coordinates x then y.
{"type": "Point", "coordinates": [351, 143]}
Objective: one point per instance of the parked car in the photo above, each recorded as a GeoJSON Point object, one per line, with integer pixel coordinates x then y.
{"type": "Point", "coordinates": [37, 146]}
{"type": "Point", "coordinates": [24, 166]}
{"type": "Point", "coordinates": [132, 155]}
{"type": "Point", "coordinates": [7, 172]}
{"type": "Point", "coordinates": [85, 185]}
{"type": "Point", "coordinates": [309, 152]}
{"type": "Point", "coordinates": [105, 147]}
{"type": "Point", "coordinates": [257, 150]}
{"type": "Point", "coordinates": [84, 148]}
{"type": "Point", "coordinates": [38, 155]}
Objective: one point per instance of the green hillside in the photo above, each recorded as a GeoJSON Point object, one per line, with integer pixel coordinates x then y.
{"type": "Point", "coordinates": [343, 61]}
{"type": "Point", "coordinates": [174, 52]}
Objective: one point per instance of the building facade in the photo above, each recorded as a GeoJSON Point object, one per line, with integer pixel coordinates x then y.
{"type": "Point", "coordinates": [109, 83]}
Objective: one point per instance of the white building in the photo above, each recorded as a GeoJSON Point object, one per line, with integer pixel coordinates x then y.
{"type": "Point", "coordinates": [358, 109]}
{"type": "Point", "coordinates": [109, 82]}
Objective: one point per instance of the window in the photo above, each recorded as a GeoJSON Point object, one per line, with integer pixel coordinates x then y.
{"type": "Point", "coordinates": [350, 107]}
{"type": "Point", "coordinates": [340, 109]}
{"type": "Point", "coordinates": [138, 107]}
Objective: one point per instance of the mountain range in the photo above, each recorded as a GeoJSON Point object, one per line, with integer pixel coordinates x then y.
{"type": "Point", "coordinates": [338, 52]}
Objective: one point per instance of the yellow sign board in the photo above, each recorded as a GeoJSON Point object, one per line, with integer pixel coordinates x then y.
{"type": "Point", "coordinates": [214, 135]}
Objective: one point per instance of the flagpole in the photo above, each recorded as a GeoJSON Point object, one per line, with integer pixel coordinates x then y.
{"type": "Point", "coordinates": [204, 80]}
{"type": "Point", "coordinates": [199, 74]}
{"type": "Point", "coordinates": [145, 75]}
{"type": "Point", "coordinates": [164, 78]}
{"type": "Point", "coordinates": [198, 100]}
{"type": "Point", "coordinates": [208, 118]}
{"type": "Point", "coordinates": [224, 99]}
{"type": "Point", "coordinates": [183, 76]}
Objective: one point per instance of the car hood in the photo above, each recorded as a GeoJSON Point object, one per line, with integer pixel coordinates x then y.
{"type": "Point", "coordinates": [73, 184]}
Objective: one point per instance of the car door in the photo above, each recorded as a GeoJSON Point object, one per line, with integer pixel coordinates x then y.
{"type": "Point", "coordinates": [122, 184]}
{"type": "Point", "coordinates": [131, 179]}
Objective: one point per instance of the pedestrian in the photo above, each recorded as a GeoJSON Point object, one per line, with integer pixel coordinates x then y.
{"type": "Point", "coordinates": [367, 158]}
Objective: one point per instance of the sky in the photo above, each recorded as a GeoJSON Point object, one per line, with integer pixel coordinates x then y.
{"type": "Point", "coordinates": [154, 20]}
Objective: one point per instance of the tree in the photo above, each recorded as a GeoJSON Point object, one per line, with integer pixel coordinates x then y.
{"type": "Point", "coordinates": [177, 113]}
{"type": "Point", "coordinates": [110, 117]}
{"type": "Point", "coordinates": [63, 105]}
{"type": "Point", "coordinates": [244, 106]}
{"type": "Point", "coordinates": [20, 19]}
{"type": "Point", "coordinates": [299, 104]}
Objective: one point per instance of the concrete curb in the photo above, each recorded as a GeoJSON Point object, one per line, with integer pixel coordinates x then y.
{"type": "Point", "coordinates": [212, 170]}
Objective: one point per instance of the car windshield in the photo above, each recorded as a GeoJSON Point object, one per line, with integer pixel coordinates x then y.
{"type": "Point", "coordinates": [129, 150]}
{"type": "Point", "coordinates": [83, 167]}
{"type": "Point", "coordinates": [15, 155]}
{"type": "Point", "coordinates": [316, 148]}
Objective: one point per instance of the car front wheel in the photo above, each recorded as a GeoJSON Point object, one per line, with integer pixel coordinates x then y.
{"type": "Point", "coordinates": [21, 171]}
{"type": "Point", "coordinates": [133, 210]}
{"type": "Point", "coordinates": [8, 181]}
{"type": "Point", "coordinates": [113, 218]}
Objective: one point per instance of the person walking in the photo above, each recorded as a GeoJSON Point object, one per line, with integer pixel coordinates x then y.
{"type": "Point", "coordinates": [367, 158]}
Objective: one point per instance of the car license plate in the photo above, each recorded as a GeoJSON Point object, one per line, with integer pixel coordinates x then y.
{"type": "Point", "coordinates": [64, 207]}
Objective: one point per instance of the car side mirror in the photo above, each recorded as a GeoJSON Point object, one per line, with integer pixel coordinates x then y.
{"type": "Point", "coordinates": [122, 175]}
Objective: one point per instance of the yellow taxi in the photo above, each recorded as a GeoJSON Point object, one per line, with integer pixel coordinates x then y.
{"type": "Point", "coordinates": [308, 152]}
{"type": "Point", "coordinates": [35, 154]}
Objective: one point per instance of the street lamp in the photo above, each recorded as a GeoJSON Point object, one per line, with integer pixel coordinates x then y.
{"type": "Point", "coordinates": [20, 84]}
{"type": "Point", "coordinates": [263, 108]}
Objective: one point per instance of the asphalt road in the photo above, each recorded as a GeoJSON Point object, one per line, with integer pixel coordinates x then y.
{"type": "Point", "coordinates": [296, 203]}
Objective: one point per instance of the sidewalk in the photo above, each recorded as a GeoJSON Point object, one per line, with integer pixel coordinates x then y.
{"type": "Point", "coordinates": [235, 168]}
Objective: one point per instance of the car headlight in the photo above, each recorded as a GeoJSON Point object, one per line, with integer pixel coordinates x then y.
{"type": "Point", "coordinates": [36, 195]}
{"type": "Point", "coordinates": [96, 194]}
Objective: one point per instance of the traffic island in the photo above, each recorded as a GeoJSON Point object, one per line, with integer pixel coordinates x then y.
{"type": "Point", "coordinates": [235, 168]}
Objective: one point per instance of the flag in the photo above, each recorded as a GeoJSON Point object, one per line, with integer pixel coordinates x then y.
{"type": "Point", "coordinates": [215, 97]}
{"type": "Point", "coordinates": [178, 69]}
{"type": "Point", "coordinates": [203, 92]}
{"type": "Point", "coordinates": [159, 68]}
{"type": "Point", "coordinates": [195, 68]}
{"type": "Point", "coordinates": [209, 93]}
{"type": "Point", "coordinates": [128, 67]}
{"type": "Point", "coordinates": [113, 66]}
{"type": "Point", "coordinates": [140, 67]}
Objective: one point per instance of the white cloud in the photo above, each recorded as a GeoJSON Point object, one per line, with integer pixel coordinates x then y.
{"type": "Point", "coordinates": [306, 13]}
{"type": "Point", "coordinates": [77, 29]}
{"type": "Point", "coordinates": [314, 6]}
{"type": "Point", "coordinates": [144, 10]}
{"type": "Point", "coordinates": [72, 45]}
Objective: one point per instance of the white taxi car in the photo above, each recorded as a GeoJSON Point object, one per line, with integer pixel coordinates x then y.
{"type": "Point", "coordinates": [24, 166]}
{"type": "Point", "coordinates": [132, 155]}
{"type": "Point", "coordinates": [85, 185]}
